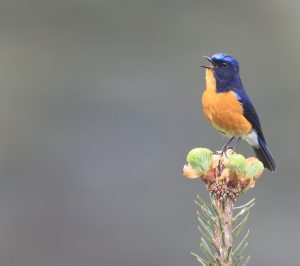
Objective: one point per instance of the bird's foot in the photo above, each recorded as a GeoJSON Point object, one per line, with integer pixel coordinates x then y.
{"type": "Point", "coordinates": [223, 152]}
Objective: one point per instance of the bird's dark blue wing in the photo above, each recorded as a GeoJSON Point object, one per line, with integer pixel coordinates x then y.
{"type": "Point", "coordinates": [249, 111]}
{"type": "Point", "coordinates": [262, 151]}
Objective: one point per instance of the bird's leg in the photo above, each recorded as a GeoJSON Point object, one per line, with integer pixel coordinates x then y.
{"type": "Point", "coordinates": [236, 144]}
{"type": "Point", "coordinates": [223, 152]}
{"type": "Point", "coordinates": [225, 147]}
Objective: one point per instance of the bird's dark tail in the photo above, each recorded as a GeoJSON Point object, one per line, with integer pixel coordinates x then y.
{"type": "Point", "coordinates": [264, 155]}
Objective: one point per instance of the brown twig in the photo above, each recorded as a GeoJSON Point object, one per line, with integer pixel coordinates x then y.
{"type": "Point", "coordinates": [223, 238]}
{"type": "Point", "coordinates": [227, 176]}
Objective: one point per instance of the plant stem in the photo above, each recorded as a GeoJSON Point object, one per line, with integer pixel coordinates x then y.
{"type": "Point", "coordinates": [223, 238]}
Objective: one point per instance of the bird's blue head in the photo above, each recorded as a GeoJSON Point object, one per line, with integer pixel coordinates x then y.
{"type": "Point", "coordinates": [226, 70]}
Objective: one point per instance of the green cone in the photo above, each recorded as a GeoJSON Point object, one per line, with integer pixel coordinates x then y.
{"type": "Point", "coordinates": [256, 168]}
{"type": "Point", "coordinates": [200, 159]}
{"type": "Point", "coordinates": [236, 163]}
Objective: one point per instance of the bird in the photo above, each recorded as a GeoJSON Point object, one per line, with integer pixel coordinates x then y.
{"type": "Point", "coordinates": [228, 108]}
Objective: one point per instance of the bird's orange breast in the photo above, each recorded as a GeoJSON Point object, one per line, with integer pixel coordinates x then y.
{"type": "Point", "coordinates": [223, 110]}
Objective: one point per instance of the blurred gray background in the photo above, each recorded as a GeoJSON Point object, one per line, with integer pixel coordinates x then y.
{"type": "Point", "coordinates": [100, 101]}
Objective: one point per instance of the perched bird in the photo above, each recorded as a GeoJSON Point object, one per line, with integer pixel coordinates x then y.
{"type": "Point", "coordinates": [228, 108]}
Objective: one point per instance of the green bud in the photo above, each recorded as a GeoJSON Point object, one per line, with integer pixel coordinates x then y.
{"type": "Point", "coordinates": [200, 159]}
{"type": "Point", "coordinates": [236, 163]}
{"type": "Point", "coordinates": [255, 169]}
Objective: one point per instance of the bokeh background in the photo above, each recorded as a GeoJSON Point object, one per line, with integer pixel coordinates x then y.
{"type": "Point", "coordinates": [100, 101]}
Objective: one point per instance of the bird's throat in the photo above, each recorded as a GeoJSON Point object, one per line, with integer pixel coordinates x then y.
{"type": "Point", "coordinates": [210, 81]}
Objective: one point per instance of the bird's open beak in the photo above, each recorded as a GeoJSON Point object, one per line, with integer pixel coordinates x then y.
{"type": "Point", "coordinates": [213, 64]}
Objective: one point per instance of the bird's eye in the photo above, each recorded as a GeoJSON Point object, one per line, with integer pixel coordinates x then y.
{"type": "Point", "coordinates": [224, 65]}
